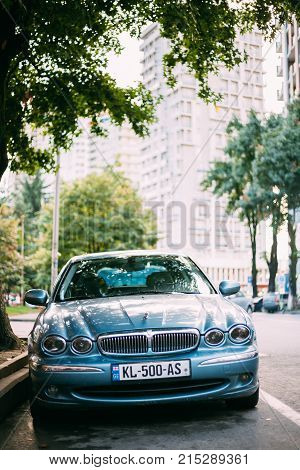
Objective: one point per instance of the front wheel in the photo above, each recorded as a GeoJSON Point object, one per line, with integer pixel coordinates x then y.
{"type": "Point", "coordinates": [245, 403]}
{"type": "Point", "coordinates": [37, 412]}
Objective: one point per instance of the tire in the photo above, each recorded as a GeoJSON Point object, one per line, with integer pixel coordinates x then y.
{"type": "Point", "coordinates": [36, 411]}
{"type": "Point", "coordinates": [244, 403]}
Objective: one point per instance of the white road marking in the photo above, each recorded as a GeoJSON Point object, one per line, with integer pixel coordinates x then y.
{"type": "Point", "coordinates": [281, 407]}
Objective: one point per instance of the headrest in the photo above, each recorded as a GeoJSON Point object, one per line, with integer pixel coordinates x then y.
{"type": "Point", "coordinates": [160, 280]}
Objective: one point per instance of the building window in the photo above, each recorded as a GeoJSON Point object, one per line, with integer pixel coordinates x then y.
{"type": "Point", "coordinates": [186, 121]}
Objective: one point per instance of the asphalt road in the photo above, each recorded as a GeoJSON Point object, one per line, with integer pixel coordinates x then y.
{"type": "Point", "coordinates": [274, 424]}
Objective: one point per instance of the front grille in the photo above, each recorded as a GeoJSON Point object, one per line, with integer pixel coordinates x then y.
{"type": "Point", "coordinates": [174, 341]}
{"type": "Point", "coordinates": [124, 344]}
{"type": "Point", "coordinates": [149, 342]}
{"type": "Point", "coordinates": [150, 389]}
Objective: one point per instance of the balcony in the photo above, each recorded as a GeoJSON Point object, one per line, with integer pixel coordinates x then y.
{"type": "Point", "coordinates": [279, 71]}
{"type": "Point", "coordinates": [280, 95]}
{"type": "Point", "coordinates": [291, 52]}
{"type": "Point", "coordinates": [279, 46]}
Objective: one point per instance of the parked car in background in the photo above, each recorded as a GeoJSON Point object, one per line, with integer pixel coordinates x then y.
{"type": "Point", "coordinates": [271, 302]}
{"type": "Point", "coordinates": [138, 327]}
{"type": "Point", "coordinates": [284, 301]}
{"type": "Point", "coordinates": [14, 299]}
{"type": "Point", "coordinates": [245, 302]}
{"type": "Point", "coordinates": [274, 301]}
{"type": "Point", "coordinates": [258, 304]}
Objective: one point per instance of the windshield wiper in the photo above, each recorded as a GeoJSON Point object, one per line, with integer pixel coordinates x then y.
{"type": "Point", "coordinates": [79, 298]}
{"type": "Point", "coordinates": [150, 292]}
{"type": "Point", "coordinates": [138, 293]}
{"type": "Point", "coordinates": [168, 292]}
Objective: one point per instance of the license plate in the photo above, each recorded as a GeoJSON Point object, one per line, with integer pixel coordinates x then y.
{"type": "Point", "coordinates": [151, 370]}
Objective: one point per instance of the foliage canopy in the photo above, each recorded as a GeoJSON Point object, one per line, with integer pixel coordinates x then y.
{"type": "Point", "coordinates": [54, 53]}
{"type": "Point", "coordinates": [98, 213]}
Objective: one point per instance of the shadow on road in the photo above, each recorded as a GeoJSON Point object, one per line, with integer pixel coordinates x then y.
{"type": "Point", "coordinates": [136, 427]}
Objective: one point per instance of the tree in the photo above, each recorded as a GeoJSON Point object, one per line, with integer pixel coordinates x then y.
{"type": "Point", "coordinates": [274, 207]}
{"type": "Point", "coordinates": [28, 199]}
{"type": "Point", "coordinates": [98, 213]}
{"type": "Point", "coordinates": [9, 277]}
{"type": "Point", "coordinates": [280, 155]}
{"type": "Point", "coordinates": [234, 179]}
{"type": "Point", "coordinates": [53, 58]}
{"type": "Point", "coordinates": [27, 203]}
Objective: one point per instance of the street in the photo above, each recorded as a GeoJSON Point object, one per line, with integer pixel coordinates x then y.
{"type": "Point", "coordinates": [274, 424]}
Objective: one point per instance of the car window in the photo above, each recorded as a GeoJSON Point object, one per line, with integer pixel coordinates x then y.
{"type": "Point", "coordinates": [129, 275]}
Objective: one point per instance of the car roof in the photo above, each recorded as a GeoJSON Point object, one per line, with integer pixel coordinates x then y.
{"type": "Point", "coordinates": [120, 253]}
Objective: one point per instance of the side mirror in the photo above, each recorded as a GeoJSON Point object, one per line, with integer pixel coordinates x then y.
{"type": "Point", "coordinates": [36, 297]}
{"type": "Point", "coordinates": [229, 287]}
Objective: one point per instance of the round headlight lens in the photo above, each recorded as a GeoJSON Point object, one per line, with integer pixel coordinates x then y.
{"type": "Point", "coordinates": [82, 345]}
{"type": "Point", "coordinates": [214, 337]}
{"type": "Point", "coordinates": [239, 334]}
{"type": "Point", "coordinates": [54, 344]}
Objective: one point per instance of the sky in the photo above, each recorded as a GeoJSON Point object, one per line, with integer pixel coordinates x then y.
{"type": "Point", "coordinates": [126, 68]}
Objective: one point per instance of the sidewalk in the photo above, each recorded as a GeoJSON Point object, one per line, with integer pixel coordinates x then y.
{"type": "Point", "coordinates": [24, 316]}
{"type": "Point", "coordinates": [22, 324]}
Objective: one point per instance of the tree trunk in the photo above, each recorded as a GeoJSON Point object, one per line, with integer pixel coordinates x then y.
{"type": "Point", "coordinates": [254, 269]}
{"type": "Point", "coordinates": [253, 230]}
{"type": "Point", "coordinates": [293, 258]}
{"type": "Point", "coordinates": [3, 143]}
{"type": "Point", "coordinates": [273, 262]}
{"type": "Point", "coordinates": [8, 340]}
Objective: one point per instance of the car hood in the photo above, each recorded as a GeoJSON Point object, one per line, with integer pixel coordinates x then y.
{"type": "Point", "coordinates": [107, 315]}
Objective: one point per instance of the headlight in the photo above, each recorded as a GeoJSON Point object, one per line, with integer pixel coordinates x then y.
{"type": "Point", "coordinates": [214, 337]}
{"type": "Point", "coordinates": [82, 345]}
{"type": "Point", "coordinates": [239, 333]}
{"type": "Point", "coordinates": [54, 344]}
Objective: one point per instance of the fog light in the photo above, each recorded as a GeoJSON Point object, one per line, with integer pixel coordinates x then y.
{"type": "Point", "coordinates": [52, 390]}
{"type": "Point", "coordinates": [245, 378]}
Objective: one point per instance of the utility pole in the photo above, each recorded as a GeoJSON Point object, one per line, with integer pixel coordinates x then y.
{"type": "Point", "coordinates": [55, 232]}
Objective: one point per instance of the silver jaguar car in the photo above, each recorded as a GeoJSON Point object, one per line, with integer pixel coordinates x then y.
{"type": "Point", "coordinates": [139, 327]}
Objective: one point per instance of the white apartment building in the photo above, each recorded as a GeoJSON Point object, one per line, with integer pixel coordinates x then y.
{"type": "Point", "coordinates": [187, 136]}
{"type": "Point", "coordinates": [84, 157]}
{"type": "Point", "coordinates": [122, 146]}
{"type": "Point", "coordinates": [91, 154]}
{"type": "Point", "coordinates": [288, 51]}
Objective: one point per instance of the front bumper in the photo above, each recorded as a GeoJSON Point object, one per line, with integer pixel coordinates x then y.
{"type": "Point", "coordinates": [94, 388]}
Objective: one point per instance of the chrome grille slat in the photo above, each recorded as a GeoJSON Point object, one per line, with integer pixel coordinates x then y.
{"type": "Point", "coordinates": [161, 341]}
{"type": "Point", "coordinates": [174, 341]}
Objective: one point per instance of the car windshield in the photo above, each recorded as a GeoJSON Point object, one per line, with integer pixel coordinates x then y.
{"type": "Point", "coordinates": [132, 275]}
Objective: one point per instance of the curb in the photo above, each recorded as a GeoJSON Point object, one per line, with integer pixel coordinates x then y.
{"type": "Point", "coordinates": [19, 320]}
{"type": "Point", "coordinates": [14, 382]}
{"type": "Point", "coordinates": [12, 366]}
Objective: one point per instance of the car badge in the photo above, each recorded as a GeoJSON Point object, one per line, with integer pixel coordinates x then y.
{"type": "Point", "coordinates": [146, 316]}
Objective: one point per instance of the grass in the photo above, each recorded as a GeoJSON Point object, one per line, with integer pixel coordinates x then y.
{"type": "Point", "coordinates": [18, 310]}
